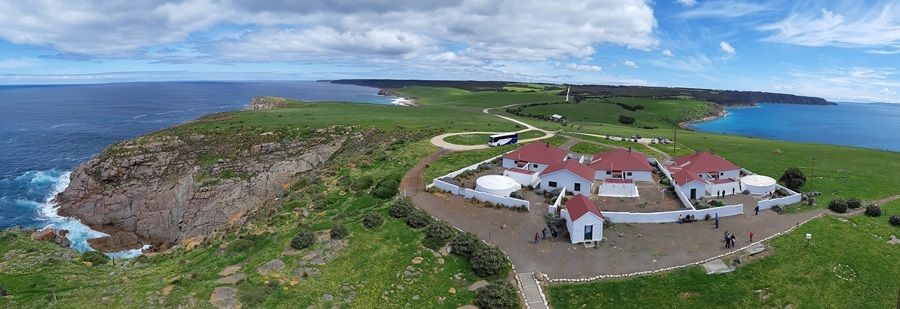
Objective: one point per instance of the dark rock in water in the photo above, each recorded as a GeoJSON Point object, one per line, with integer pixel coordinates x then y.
{"type": "Point", "coordinates": [116, 241]}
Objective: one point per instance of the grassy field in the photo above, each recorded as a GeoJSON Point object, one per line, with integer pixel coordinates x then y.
{"type": "Point", "coordinates": [655, 113]}
{"type": "Point", "coordinates": [847, 265]}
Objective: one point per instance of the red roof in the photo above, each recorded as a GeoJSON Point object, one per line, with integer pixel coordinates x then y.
{"type": "Point", "coordinates": [537, 153]}
{"type": "Point", "coordinates": [684, 176]}
{"type": "Point", "coordinates": [705, 162]}
{"type": "Point", "coordinates": [580, 205]}
{"type": "Point", "coordinates": [621, 160]}
{"type": "Point", "coordinates": [572, 166]}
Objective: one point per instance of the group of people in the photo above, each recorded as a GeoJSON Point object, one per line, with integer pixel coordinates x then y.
{"type": "Point", "coordinates": [542, 235]}
{"type": "Point", "coordinates": [730, 239]}
{"type": "Point", "coordinates": [687, 219]}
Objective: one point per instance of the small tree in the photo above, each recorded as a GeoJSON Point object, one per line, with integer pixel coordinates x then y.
{"type": "Point", "coordinates": [464, 244]}
{"type": "Point", "coordinates": [626, 120]}
{"type": "Point", "coordinates": [386, 188]}
{"type": "Point", "coordinates": [895, 220]}
{"type": "Point", "coordinates": [854, 203]}
{"type": "Point", "coordinates": [96, 258]}
{"type": "Point", "coordinates": [363, 183]}
{"type": "Point", "coordinates": [372, 220]}
{"type": "Point", "coordinates": [303, 240]}
{"type": "Point", "coordinates": [838, 205]}
{"type": "Point", "coordinates": [498, 294]}
{"type": "Point", "coordinates": [417, 219]}
{"type": "Point", "coordinates": [873, 211]}
{"type": "Point", "coordinates": [339, 231]}
{"type": "Point", "coordinates": [401, 208]}
{"type": "Point", "coordinates": [793, 178]}
{"type": "Point", "coordinates": [487, 261]}
{"type": "Point", "coordinates": [437, 234]}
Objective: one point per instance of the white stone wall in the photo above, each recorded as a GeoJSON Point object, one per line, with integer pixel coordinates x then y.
{"type": "Point", "coordinates": [478, 195]}
{"type": "Point", "coordinates": [793, 198]}
{"type": "Point", "coordinates": [730, 188]}
{"type": "Point", "coordinates": [672, 216]}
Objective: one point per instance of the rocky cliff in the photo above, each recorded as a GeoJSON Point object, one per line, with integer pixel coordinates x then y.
{"type": "Point", "coordinates": [165, 188]}
{"type": "Point", "coordinates": [264, 103]}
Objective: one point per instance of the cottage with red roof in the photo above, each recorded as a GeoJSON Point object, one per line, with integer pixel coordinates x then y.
{"type": "Point", "coordinates": [583, 219]}
{"type": "Point", "coordinates": [534, 157]}
{"type": "Point", "coordinates": [705, 174]}
{"type": "Point", "coordinates": [622, 164]}
{"type": "Point", "coordinates": [571, 175]}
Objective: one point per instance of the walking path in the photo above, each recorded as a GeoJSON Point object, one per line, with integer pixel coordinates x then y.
{"type": "Point", "coordinates": [440, 141]}
{"type": "Point", "coordinates": [534, 295]}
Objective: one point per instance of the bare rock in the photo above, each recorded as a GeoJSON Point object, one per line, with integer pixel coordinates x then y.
{"type": "Point", "coordinates": [275, 265]}
{"type": "Point", "coordinates": [231, 280]}
{"type": "Point", "coordinates": [224, 298]}
{"type": "Point", "coordinates": [230, 270]}
{"type": "Point", "coordinates": [116, 241]}
{"type": "Point", "coordinates": [477, 285]}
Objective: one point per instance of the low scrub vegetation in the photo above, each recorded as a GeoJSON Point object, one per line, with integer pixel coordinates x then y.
{"type": "Point", "coordinates": [498, 294]}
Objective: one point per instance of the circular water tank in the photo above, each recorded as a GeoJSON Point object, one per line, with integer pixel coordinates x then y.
{"type": "Point", "coordinates": [758, 184]}
{"type": "Point", "coordinates": [497, 184]}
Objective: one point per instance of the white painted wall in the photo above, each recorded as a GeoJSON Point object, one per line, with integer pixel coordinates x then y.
{"type": "Point", "coordinates": [576, 229]}
{"type": "Point", "coordinates": [729, 187]}
{"type": "Point", "coordinates": [551, 209]}
{"type": "Point", "coordinates": [509, 163]}
{"type": "Point", "coordinates": [523, 179]}
{"type": "Point", "coordinates": [567, 180]}
{"type": "Point", "coordinates": [478, 195]}
{"type": "Point", "coordinates": [793, 198]}
{"type": "Point", "coordinates": [683, 197]}
{"type": "Point", "coordinates": [635, 175]}
{"type": "Point", "coordinates": [686, 189]}
{"type": "Point", "coordinates": [672, 216]}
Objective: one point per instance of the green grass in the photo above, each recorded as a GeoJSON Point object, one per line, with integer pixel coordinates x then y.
{"type": "Point", "coordinates": [458, 160]}
{"type": "Point", "coordinates": [797, 273]}
{"type": "Point", "coordinates": [588, 148]}
{"type": "Point", "coordinates": [656, 113]}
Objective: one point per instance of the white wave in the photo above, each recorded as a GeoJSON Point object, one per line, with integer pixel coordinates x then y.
{"type": "Point", "coordinates": [64, 125]}
{"type": "Point", "coordinates": [79, 233]}
{"type": "Point", "coordinates": [140, 116]}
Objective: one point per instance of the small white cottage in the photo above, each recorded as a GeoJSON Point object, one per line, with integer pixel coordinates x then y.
{"type": "Point", "coordinates": [583, 219]}
{"type": "Point", "coordinates": [571, 175]}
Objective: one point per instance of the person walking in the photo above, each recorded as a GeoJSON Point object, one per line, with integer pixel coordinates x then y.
{"type": "Point", "coordinates": [727, 240]}
{"type": "Point", "coordinates": [537, 237]}
{"type": "Point", "coordinates": [717, 220]}
{"type": "Point", "coordinates": [751, 236]}
{"type": "Point", "coordinates": [757, 210]}
{"type": "Point", "coordinates": [544, 234]}
{"type": "Point", "coordinates": [733, 240]}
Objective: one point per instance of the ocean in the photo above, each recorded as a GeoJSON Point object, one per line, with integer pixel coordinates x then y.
{"type": "Point", "coordinates": [47, 130]}
{"type": "Point", "coordinates": [868, 125]}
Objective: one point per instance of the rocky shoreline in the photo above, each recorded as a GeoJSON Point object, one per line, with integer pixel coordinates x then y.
{"type": "Point", "coordinates": [399, 99]}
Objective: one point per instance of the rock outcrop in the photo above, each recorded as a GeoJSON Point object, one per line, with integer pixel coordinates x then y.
{"type": "Point", "coordinates": [169, 188]}
{"type": "Point", "coordinates": [264, 103]}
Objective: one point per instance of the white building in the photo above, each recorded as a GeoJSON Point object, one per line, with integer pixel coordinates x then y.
{"type": "Point", "coordinates": [583, 219]}
{"type": "Point", "coordinates": [705, 174]}
{"type": "Point", "coordinates": [523, 176]}
{"type": "Point", "coordinates": [571, 175]}
{"type": "Point", "coordinates": [622, 164]}
{"type": "Point", "coordinates": [534, 157]}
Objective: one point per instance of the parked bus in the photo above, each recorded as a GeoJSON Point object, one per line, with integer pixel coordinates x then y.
{"type": "Point", "coordinates": [503, 139]}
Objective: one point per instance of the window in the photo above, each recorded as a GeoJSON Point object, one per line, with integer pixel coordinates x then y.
{"type": "Point", "coordinates": [534, 165]}
{"type": "Point", "coordinates": [552, 184]}
{"type": "Point", "coordinates": [721, 174]}
{"type": "Point", "coordinates": [578, 187]}
{"type": "Point", "coordinates": [628, 174]}
{"type": "Point", "coordinates": [609, 172]}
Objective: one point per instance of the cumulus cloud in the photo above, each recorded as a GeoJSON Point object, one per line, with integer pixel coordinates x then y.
{"type": "Point", "coordinates": [630, 64]}
{"type": "Point", "coordinates": [579, 67]}
{"type": "Point", "coordinates": [727, 49]}
{"type": "Point", "coordinates": [668, 53]}
{"type": "Point", "coordinates": [878, 27]}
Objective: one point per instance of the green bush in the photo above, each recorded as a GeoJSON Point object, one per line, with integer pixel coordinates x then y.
{"type": "Point", "coordinates": [339, 231]}
{"type": "Point", "coordinates": [386, 189]}
{"type": "Point", "coordinates": [95, 257]}
{"type": "Point", "coordinates": [464, 244]}
{"type": "Point", "coordinates": [363, 183]}
{"type": "Point", "coordinates": [372, 220]}
{"type": "Point", "coordinates": [854, 203]}
{"type": "Point", "coordinates": [838, 205]}
{"type": "Point", "coordinates": [437, 234]}
{"type": "Point", "coordinates": [873, 211]}
{"type": "Point", "coordinates": [240, 245]}
{"type": "Point", "coordinates": [793, 178]}
{"type": "Point", "coordinates": [498, 294]}
{"type": "Point", "coordinates": [417, 219]}
{"type": "Point", "coordinates": [303, 240]}
{"type": "Point", "coordinates": [254, 295]}
{"type": "Point", "coordinates": [626, 120]}
{"type": "Point", "coordinates": [895, 220]}
{"type": "Point", "coordinates": [487, 260]}
{"type": "Point", "coordinates": [401, 208]}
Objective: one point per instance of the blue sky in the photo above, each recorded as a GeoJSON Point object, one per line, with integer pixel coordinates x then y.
{"type": "Point", "coordinates": [843, 51]}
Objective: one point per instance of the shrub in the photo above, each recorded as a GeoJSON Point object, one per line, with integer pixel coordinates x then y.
{"type": "Point", "coordinates": [339, 231]}
{"type": "Point", "coordinates": [386, 188]}
{"type": "Point", "coordinates": [854, 203]}
{"type": "Point", "coordinates": [487, 260]}
{"type": "Point", "coordinates": [417, 219]}
{"type": "Point", "coordinates": [873, 211]}
{"type": "Point", "coordinates": [240, 245]}
{"type": "Point", "coordinates": [464, 244]}
{"type": "Point", "coordinates": [437, 234]}
{"type": "Point", "coordinates": [95, 257]}
{"type": "Point", "coordinates": [793, 178]}
{"type": "Point", "coordinates": [254, 295]}
{"type": "Point", "coordinates": [838, 205]}
{"type": "Point", "coordinates": [627, 120]}
{"type": "Point", "coordinates": [372, 220]}
{"type": "Point", "coordinates": [895, 220]}
{"type": "Point", "coordinates": [401, 208]}
{"type": "Point", "coordinates": [363, 183]}
{"type": "Point", "coordinates": [498, 294]}
{"type": "Point", "coordinates": [303, 240]}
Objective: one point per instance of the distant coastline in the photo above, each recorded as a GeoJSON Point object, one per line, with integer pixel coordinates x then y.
{"type": "Point", "coordinates": [398, 98]}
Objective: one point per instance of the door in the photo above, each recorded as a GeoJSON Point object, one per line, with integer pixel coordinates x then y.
{"type": "Point", "coordinates": [588, 232]}
{"type": "Point", "coordinates": [693, 193]}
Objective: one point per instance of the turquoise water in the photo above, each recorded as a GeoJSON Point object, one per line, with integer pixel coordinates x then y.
{"type": "Point", "coordinates": [872, 125]}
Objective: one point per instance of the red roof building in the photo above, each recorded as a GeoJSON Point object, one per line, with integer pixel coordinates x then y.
{"type": "Point", "coordinates": [572, 166]}
{"type": "Point", "coordinates": [537, 153]}
{"type": "Point", "coordinates": [621, 160]}
{"type": "Point", "coordinates": [579, 205]}
{"type": "Point", "coordinates": [705, 162]}
{"type": "Point", "coordinates": [682, 177]}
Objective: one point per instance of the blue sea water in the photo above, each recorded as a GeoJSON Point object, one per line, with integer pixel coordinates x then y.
{"type": "Point", "coordinates": [45, 131]}
{"type": "Point", "coordinates": [868, 125]}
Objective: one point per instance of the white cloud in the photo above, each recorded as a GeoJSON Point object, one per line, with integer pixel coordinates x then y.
{"type": "Point", "coordinates": [668, 53]}
{"type": "Point", "coordinates": [877, 27]}
{"type": "Point", "coordinates": [630, 64]}
{"type": "Point", "coordinates": [18, 63]}
{"type": "Point", "coordinates": [695, 64]}
{"type": "Point", "coordinates": [687, 3]}
{"type": "Point", "coordinates": [726, 9]}
{"type": "Point", "coordinates": [580, 67]}
{"type": "Point", "coordinates": [727, 48]}
{"type": "Point", "coordinates": [848, 84]}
